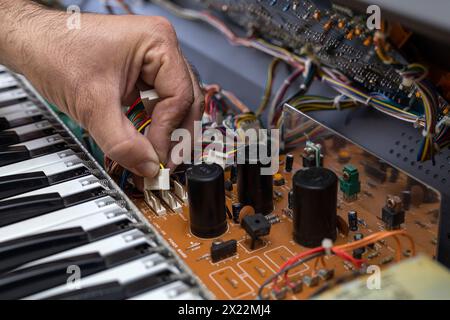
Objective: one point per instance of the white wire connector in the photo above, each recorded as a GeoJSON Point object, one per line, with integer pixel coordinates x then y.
{"type": "Point", "coordinates": [160, 182]}
{"type": "Point", "coordinates": [149, 97]}
{"type": "Point", "coordinates": [327, 244]}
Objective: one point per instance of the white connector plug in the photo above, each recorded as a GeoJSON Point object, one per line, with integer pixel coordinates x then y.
{"type": "Point", "coordinates": [160, 182]}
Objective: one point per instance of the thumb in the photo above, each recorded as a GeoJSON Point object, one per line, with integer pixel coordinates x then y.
{"type": "Point", "coordinates": [121, 142]}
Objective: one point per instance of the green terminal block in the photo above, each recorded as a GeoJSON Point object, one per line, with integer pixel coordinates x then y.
{"type": "Point", "coordinates": [349, 183]}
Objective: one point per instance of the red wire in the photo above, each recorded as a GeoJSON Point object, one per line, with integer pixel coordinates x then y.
{"type": "Point", "coordinates": [133, 105]}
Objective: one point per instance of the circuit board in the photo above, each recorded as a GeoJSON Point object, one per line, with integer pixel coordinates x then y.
{"type": "Point", "coordinates": [240, 276]}
{"type": "Point", "coordinates": [335, 36]}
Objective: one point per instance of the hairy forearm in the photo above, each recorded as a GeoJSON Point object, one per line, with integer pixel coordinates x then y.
{"type": "Point", "coordinates": [23, 26]}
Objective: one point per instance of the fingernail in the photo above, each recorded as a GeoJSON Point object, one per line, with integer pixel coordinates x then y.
{"type": "Point", "coordinates": [148, 169]}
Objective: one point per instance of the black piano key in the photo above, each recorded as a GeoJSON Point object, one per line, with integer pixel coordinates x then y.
{"type": "Point", "coordinates": [13, 155]}
{"type": "Point", "coordinates": [5, 124]}
{"type": "Point", "coordinates": [19, 209]}
{"type": "Point", "coordinates": [17, 184]}
{"type": "Point", "coordinates": [17, 252]}
{"type": "Point", "coordinates": [105, 291]}
{"type": "Point", "coordinates": [24, 282]}
{"type": "Point", "coordinates": [8, 138]}
{"type": "Point", "coordinates": [28, 281]}
{"type": "Point", "coordinates": [115, 291]}
{"type": "Point", "coordinates": [12, 101]}
{"type": "Point", "coordinates": [21, 183]}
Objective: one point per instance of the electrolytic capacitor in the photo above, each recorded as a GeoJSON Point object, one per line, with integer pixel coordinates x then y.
{"type": "Point", "coordinates": [353, 220]}
{"type": "Point", "coordinates": [206, 192]}
{"type": "Point", "coordinates": [315, 206]}
{"type": "Point", "coordinates": [289, 162]}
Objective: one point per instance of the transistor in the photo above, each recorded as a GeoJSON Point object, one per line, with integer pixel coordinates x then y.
{"type": "Point", "coordinates": [222, 250]}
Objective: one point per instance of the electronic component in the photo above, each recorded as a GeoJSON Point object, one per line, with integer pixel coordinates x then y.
{"type": "Point", "coordinates": [349, 183]}
{"type": "Point", "coordinates": [236, 211]}
{"type": "Point", "coordinates": [311, 281]}
{"type": "Point", "coordinates": [206, 193]}
{"type": "Point", "coordinates": [254, 188]}
{"type": "Point", "coordinates": [278, 180]}
{"type": "Point", "coordinates": [315, 206]}
{"type": "Point", "coordinates": [256, 227]}
{"type": "Point", "coordinates": [160, 182]}
{"type": "Point", "coordinates": [353, 220]}
{"type": "Point", "coordinates": [223, 249]}
{"type": "Point", "coordinates": [312, 155]}
{"type": "Point", "coordinates": [393, 214]}
{"type": "Point", "coordinates": [289, 162]}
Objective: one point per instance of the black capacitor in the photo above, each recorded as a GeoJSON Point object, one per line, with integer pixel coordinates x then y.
{"type": "Point", "coordinates": [206, 193]}
{"type": "Point", "coordinates": [315, 206]}
{"type": "Point", "coordinates": [254, 188]}
{"type": "Point", "coordinates": [289, 162]}
{"type": "Point", "coordinates": [353, 220]}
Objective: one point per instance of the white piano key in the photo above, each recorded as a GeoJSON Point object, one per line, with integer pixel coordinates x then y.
{"type": "Point", "coordinates": [31, 127]}
{"type": "Point", "coordinates": [7, 80]}
{"type": "Point", "coordinates": [104, 247]}
{"type": "Point", "coordinates": [61, 167]}
{"type": "Point", "coordinates": [66, 188]}
{"type": "Point", "coordinates": [123, 274]}
{"type": "Point", "coordinates": [23, 106]}
{"type": "Point", "coordinates": [3, 68]}
{"type": "Point", "coordinates": [36, 163]}
{"type": "Point", "coordinates": [39, 162]}
{"type": "Point", "coordinates": [41, 142]}
{"type": "Point", "coordinates": [12, 95]}
{"type": "Point", "coordinates": [177, 290]}
{"type": "Point", "coordinates": [103, 210]}
{"type": "Point", "coordinates": [22, 114]}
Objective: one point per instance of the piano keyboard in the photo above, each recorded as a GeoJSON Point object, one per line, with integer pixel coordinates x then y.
{"type": "Point", "coordinates": [66, 230]}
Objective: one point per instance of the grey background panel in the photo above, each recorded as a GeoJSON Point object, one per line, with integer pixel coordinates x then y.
{"type": "Point", "coordinates": [243, 71]}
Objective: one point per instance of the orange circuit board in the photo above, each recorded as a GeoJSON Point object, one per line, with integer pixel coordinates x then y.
{"type": "Point", "coordinates": [240, 276]}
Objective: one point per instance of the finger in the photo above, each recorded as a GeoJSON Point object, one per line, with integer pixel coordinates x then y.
{"type": "Point", "coordinates": [120, 141]}
{"type": "Point", "coordinates": [195, 112]}
{"type": "Point", "coordinates": [170, 76]}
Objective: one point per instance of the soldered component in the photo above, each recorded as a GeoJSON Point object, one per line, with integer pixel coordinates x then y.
{"type": "Point", "coordinates": [179, 191]}
{"type": "Point", "coordinates": [349, 183]}
{"type": "Point", "coordinates": [392, 213]}
{"type": "Point", "coordinates": [171, 201]}
{"type": "Point", "coordinates": [256, 227]}
{"type": "Point", "coordinates": [236, 211]}
{"type": "Point", "coordinates": [278, 180]}
{"type": "Point", "coordinates": [312, 155]}
{"type": "Point", "coordinates": [154, 203]}
{"type": "Point", "coordinates": [353, 220]}
{"type": "Point", "coordinates": [311, 281]}
{"type": "Point", "coordinates": [279, 294]}
{"type": "Point", "coordinates": [289, 162]}
{"type": "Point", "coordinates": [221, 250]}
{"type": "Point", "coordinates": [326, 274]}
